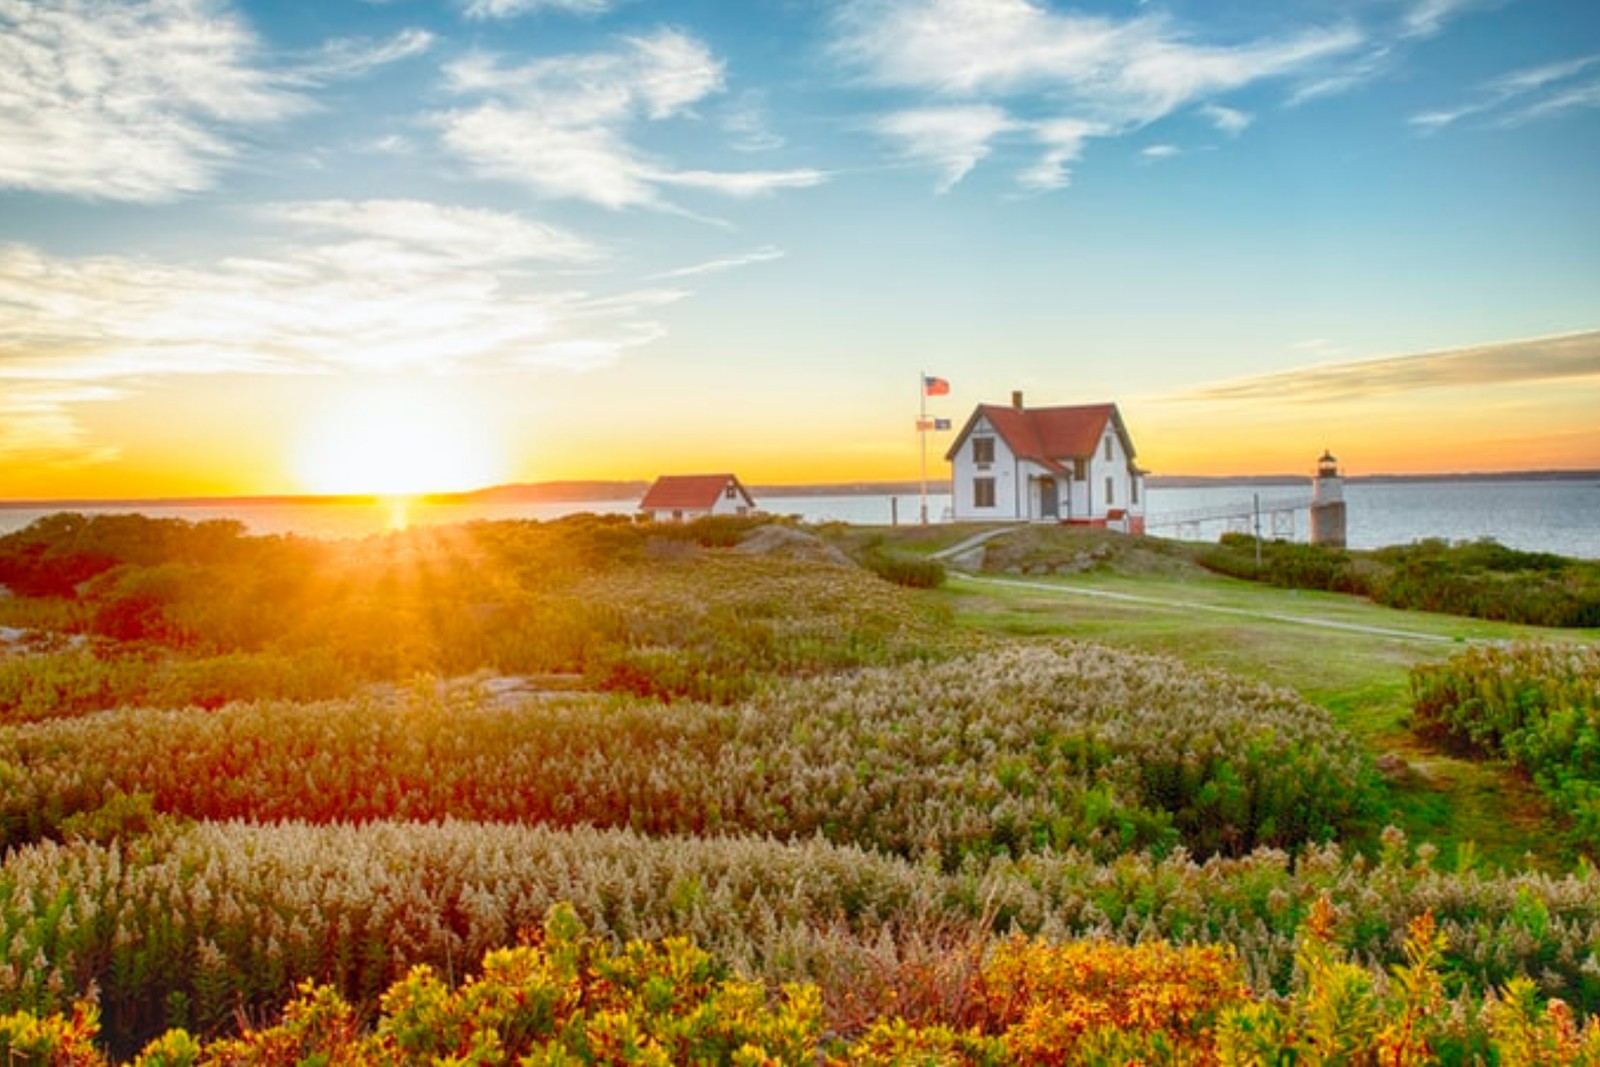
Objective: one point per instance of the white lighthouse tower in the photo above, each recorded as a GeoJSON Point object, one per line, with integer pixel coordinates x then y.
{"type": "Point", "coordinates": [1327, 504]}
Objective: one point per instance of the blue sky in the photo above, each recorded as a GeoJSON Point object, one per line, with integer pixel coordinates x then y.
{"type": "Point", "coordinates": [616, 238]}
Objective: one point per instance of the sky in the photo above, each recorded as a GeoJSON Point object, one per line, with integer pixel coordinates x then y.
{"type": "Point", "coordinates": [359, 246]}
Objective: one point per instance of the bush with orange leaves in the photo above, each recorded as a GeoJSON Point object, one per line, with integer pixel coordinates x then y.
{"type": "Point", "coordinates": [1042, 999]}
{"type": "Point", "coordinates": [568, 998]}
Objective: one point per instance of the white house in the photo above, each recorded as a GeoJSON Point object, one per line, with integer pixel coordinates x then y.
{"type": "Point", "coordinates": [1058, 464]}
{"type": "Point", "coordinates": [679, 497]}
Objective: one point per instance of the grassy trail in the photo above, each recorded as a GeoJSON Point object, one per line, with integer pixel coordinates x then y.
{"type": "Point", "coordinates": [1345, 654]}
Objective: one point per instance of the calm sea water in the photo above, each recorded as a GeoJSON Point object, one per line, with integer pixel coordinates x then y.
{"type": "Point", "coordinates": [1546, 516]}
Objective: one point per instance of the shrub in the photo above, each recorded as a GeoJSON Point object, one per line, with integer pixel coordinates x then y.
{"type": "Point", "coordinates": [564, 997]}
{"type": "Point", "coordinates": [913, 572]}
{"type": "Point", "coordinates": [1480, 578]}
{"type": "Point", "coordinates": [194, 925]}
{"type": "Point", "coordinates": [1535, 705]}
{"type": "Point", "coordinates": [1016, 751]}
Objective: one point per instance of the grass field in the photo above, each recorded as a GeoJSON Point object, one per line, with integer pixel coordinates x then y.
{"type": "Point", "coordinates": [1344, 653]}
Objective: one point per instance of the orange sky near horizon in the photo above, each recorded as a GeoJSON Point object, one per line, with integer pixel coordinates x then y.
{"type": "Point", "coordinates": [291, 436]}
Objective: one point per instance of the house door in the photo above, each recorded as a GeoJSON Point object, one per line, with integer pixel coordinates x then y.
{"type": "Point", "coordinates": [1049, 499]}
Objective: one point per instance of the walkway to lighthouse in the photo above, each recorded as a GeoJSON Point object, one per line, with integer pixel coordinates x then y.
{"type": "Point", "coordinates": [1277, 517]}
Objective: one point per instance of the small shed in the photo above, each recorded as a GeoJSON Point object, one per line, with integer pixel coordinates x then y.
{"type": "Point", "coordinates": [681, 497]}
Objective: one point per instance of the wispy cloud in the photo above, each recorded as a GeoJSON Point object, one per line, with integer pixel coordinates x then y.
{"type": "Point", "coordinates": [381, 285]}
{"type": "Point", "coordinates": [1522, 96]}
{"type": "Point", "coordinates": [1426, 18]}
{"type": "Point", "coordinates": [39, 427]}
{"type": "Point", "coordinates": [1064, 140]}
{"type": "Point", "coordinates": [1105, 74]}
{"type": "Point", "coordinates": [132, 101]}
{"type": "Point", "coordinates": [1575, 98]}
{"type": "Point", "coordinates": [747, 123]}
{"type": "Point", "coordinates": [438, 233]}
{"type": "Point", "coordinates": [501, 9]}
{"type": "Point", "coordinates": [952, 139]}
{"type": "Point", "coordinates": [1161, 151]}
{"type": "Point", "coordinates": [1230, 121]}
{"type": "Point", "coordinates": [1538, 359]}
{"type": "Point", "coordinates": [352, 57]}
{"type": "Point", "coordinates": [719, 266]}
{"type": "Point", "coordinates": [560, 126]}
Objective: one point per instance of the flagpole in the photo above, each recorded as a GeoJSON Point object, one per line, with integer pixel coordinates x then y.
{"type": "Point", "coordinates": [922, 433]}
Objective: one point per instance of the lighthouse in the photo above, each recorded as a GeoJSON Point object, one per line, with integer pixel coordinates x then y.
{"type": "Point", "coordinates": [1327, 504]}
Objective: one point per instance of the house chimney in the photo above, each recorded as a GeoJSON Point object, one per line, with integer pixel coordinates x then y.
{"type": "Point", "coordinates": [1016, 399]}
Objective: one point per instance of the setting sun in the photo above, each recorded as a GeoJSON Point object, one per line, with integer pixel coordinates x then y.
{"type": "Point", "coordinates": [396, 439]}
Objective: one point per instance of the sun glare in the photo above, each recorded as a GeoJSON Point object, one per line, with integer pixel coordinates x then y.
{"type": "Point", "coordinates": [396, 439]}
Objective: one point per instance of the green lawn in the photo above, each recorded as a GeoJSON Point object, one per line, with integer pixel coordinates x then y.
{"type": "Point", "coordinates": [1359, 675]}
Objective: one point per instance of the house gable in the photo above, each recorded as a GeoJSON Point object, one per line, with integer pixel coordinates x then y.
{"type": "Point", "coordinates": [694, 493]}
{"type": "Point", "coordinates": [1070, 463]}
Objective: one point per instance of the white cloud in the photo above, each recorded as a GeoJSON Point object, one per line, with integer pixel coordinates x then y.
{"type": "Point", "coordinates": [1578, 97]}
{"type": "Point", "coordinates": [350, 57]}
{"type": "Point", "coordinates": [1563, 357]}
{"type": "Point", "coordinates": [130, 101]}
{"type": "Point", "coordinates": [1161, 151]}
{"type": "Point", "coordinates": [1230, 121]}
{"type": "Point", "coordinates": [1064, 140]}
{"type": "Point", "coordinates": [560, 126]}
{"type": "Point", "coordinates": [554, 160]}
{"type": "Point", "coordinates": [953, 139]}
{"type": "Point", "coordinates": [390, 144]}
{"type": "Point", "coordinates": [1004, 58]}
{"type": "Point", "coordinates": [746, 122]}
{"type": "Point", "coordinates": [1508, 96]}
{"type": "Point", "coordinates": [726, 263]}
{"type": "Point", "coordinates": [1117, 71]}
{"type": "Point", "coordinates": [440, 233]}
{"type": "Point", "coordinates": [500, 9]}
{"type": "Point", "coordinates": [367, 285]}
{"type": "Point", "coordinates": [1426, 18]}
{"type": "Point", "coordinates": [1535, 78]}
{"type": "Point", "coordinates": [740, 183]}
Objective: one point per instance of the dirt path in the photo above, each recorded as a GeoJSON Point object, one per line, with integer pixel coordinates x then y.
{"type": "Point", "coordinates": [1190, 605]}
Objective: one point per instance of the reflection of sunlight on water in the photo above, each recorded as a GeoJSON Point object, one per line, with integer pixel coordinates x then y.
{"type": "Point", "coordinates": [396, 512]}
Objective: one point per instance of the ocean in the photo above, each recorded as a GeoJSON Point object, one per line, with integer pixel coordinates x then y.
{"type": "Point", "coordinates": [1561, 516]}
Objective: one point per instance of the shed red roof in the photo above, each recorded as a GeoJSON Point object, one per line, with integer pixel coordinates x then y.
{"type": "Point", "coordinates": [1050, 435]}
{"type": "Point", "coordinates": [689, 492]}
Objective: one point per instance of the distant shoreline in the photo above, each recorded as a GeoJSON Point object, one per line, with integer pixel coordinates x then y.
{"type": "Point", "coordinates": [577, 491]}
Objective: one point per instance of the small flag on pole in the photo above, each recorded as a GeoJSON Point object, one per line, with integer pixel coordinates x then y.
{"type": "Point", "coordinates": [933, 424]}
{"type": "Point", "coordinates": [941, 424]}
{"type": "Point", "coordinates": [932, 386]}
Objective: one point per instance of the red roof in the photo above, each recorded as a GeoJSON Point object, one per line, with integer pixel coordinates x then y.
{"type": "Point", "coordinates": [1049, 435]}
{"type": "Point", "coordinates": [689, 492]}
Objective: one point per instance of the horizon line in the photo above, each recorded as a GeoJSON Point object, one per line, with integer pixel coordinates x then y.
{"type": "Point", "coordinates": [865, 487]}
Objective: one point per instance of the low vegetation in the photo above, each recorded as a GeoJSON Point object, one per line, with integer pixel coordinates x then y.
{"type": "Point", "coordinates": [167, 613]}
{"type": "Point", "coordinates": [561, 996]}
{"type": "Point", "coordinates": [1537, 706]}
{"type": "Point", "coordinates": [329, 789]}
{"type": "Point", "coordinates": [1018, 750]}
{"type": "Point", "coordinates": [1481, 579]}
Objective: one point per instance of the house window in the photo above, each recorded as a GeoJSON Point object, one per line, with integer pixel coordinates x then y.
{"type": "Point", "coordinates": [729, 491]}
{"type": "Point", "coordinates": [1111, 486]}
{"type": "Point", "coordinates": [1133, 489]}
{"type": "Point", "coordinates": [1108, 449]}
{"type": "Point", "coordinates": [1080, 470]}
{"type": "Point", "coordinates": [983, 450]}
{"type": "Point", "coordinates": [983, 492]}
